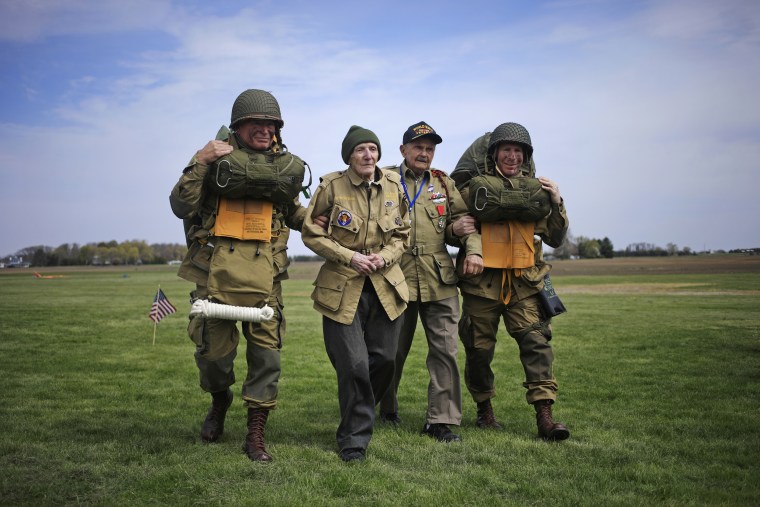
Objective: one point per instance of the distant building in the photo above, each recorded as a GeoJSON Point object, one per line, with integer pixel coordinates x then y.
{"type": "Point", "coordinates": [17, 261]}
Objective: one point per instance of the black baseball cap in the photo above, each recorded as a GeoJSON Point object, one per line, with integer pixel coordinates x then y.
{"type": "Point", "coordinates": [421, 129]}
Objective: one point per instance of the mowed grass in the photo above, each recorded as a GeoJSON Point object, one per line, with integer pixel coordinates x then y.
{"type": "Point", "coordinates": [659, 372]}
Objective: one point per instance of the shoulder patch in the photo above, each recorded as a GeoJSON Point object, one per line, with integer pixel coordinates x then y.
{"type": "Point", "coordinates": [344, 218]}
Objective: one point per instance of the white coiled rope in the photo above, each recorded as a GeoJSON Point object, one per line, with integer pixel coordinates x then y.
{"type": "Point", "coordinates": [206, 308]}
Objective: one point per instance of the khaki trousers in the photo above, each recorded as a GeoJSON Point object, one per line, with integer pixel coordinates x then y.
{"type": "Point", "coordinates": [439, 320]}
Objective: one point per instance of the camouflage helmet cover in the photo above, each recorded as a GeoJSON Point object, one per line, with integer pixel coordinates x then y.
{"type": "Point", "coordinates": [256, 104]}
{"type": "Point", "coordinates": [512, 133]}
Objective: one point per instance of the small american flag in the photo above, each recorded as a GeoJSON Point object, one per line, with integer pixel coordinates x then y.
{"type": "Point", "coordinates": [161, 307]}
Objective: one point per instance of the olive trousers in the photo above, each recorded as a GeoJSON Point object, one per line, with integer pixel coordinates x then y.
{"type": "Point", "coordinates": [525, 323]}
{"type": "Point", "coordinates": [216, 342]}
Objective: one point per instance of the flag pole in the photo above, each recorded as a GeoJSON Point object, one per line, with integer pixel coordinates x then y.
{"type": "Point", "coordinates": [155, 324]}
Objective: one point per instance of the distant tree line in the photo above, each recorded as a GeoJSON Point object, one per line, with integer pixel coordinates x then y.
{"type": "Point", "coordinates": [100, 254]}
{"type": "Point", "coordinates": [583, 247]}
{"type": "Point", "coordinates": [139, 252]}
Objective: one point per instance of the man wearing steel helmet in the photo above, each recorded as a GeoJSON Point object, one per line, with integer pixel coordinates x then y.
{"type": "Point", "coordinates": [511, 292]}
{"type": "Point", "coordinates": [360, 289]}
{"type": "Point", "coordinates": [232, 266]}
{"type": "Point", "coordinates": [436, 213]}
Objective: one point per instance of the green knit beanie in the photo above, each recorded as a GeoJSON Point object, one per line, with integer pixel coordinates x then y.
{"type": "Point", "coordinates": [355, 136]}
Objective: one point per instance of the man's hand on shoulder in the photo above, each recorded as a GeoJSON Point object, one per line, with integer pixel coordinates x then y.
{"type": "Point", "coordinates": [212, 151]}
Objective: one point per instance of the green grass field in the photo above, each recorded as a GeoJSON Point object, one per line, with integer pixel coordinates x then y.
{"type": "Point", "coordinates": [658, 365]}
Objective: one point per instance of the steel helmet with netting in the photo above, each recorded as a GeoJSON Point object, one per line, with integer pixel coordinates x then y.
{"type": "Point", "coordinates": [511, 133]}
{"type": "Point", "coordinates": [256, 104]}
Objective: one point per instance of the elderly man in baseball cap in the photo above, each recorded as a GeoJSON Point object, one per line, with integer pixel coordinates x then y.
{"type": "Point", "coordinates": [436, 212]}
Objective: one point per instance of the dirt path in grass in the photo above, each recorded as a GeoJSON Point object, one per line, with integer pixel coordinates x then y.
{"type": "Point", "coordinates": [679, 289]}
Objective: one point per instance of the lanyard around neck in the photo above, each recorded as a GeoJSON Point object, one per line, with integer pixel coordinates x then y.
{"type": "Point", "coordinates": [406, 190]}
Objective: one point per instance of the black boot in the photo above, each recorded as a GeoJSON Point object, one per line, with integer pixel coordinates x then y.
{"type": "Point", "coordinates": [440, 432]}
{"type": "Point", "coordinates": [390, 418]}
{"type": "Point", "coordinates": [213, 426]}
{"type": "Point", "coordinates": [547, 428]}
{"type": "Point", "coordinates": [486, 419]}
{"type": "Point", "coordinates": [255, 447]}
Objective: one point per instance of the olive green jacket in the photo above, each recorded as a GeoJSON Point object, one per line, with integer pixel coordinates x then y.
{"type": "Point", "coordinates": [525, 282]}
{"type": "Point", "coordinates": [238, 282]}
{"type": "Point", "coordinates": [427, 265]}
{"type": "Point", "coordinates": [365, 218]}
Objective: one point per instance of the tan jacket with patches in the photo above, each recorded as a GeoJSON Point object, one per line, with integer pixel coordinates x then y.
{"type": "Point", "coordinates": [427, 265]}
{"type": "Point", "coordinates": [366, 218]}
{"type": "Point", "coordinates": [245, 270]}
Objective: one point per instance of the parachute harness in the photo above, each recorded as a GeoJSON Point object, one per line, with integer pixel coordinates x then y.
{"type": "Point", "coordinates": [475, 201]}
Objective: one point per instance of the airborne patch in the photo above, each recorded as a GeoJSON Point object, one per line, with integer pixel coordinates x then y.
{"type": "Point", "coordinates": [344, 218]}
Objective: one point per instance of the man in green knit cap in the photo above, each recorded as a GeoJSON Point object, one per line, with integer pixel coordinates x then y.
{"type": "Point", "coordinates": [360, 289]}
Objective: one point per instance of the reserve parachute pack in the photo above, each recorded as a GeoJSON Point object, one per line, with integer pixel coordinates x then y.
{"type": "Point", "coordinates": [495, 198]}
{"type": "Point", "coordinates": [273, 176]}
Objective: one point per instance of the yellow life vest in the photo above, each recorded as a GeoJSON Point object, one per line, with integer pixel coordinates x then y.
{"type": "Point", "coordinates": [244, 219]}
{"type": "Point", "coordinates": [508, 246]}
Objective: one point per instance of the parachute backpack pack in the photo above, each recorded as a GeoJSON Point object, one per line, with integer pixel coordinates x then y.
{"type": "Point", "coordinates": [274, 176]}
{"type": "Point", "coordinates": [495, 199]}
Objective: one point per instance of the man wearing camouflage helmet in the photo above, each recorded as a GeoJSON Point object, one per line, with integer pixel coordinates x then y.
{"type": "Point", "coordinates": [510, 292]}
{"type": "Point", "coordinates": [237, 223]}
{"type": "Point", "coordinates": [437, 212]}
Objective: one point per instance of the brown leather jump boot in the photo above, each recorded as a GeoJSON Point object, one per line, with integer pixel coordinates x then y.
{"type": "Point", "coordinates": [254, 441]}
{"type": "Point", "coordinates": [213, 425]}
{"type": "Point", "coordinates": [547, 428]}
{"type": "Point", "coordinates": [486, 419]}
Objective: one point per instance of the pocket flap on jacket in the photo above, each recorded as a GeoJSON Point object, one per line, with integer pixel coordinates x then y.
{"type": "Point", "coordinates": [446, 269]}
{"type": "Point", "coordinates": [329, 287]}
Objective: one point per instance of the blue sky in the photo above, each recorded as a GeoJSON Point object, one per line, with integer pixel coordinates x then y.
{"type": "Point", "coordinates": [645, 113]}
